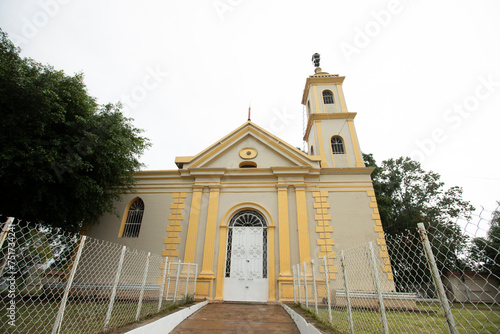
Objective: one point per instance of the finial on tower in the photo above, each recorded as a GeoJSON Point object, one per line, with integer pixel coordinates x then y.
{"type": "Point", "coordinates": [249, 112]}
{"type": "Point", "coordinates": [315, 59]}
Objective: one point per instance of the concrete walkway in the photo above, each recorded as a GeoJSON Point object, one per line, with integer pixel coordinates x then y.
{"type": "Point", "coordinates": [238, 318]}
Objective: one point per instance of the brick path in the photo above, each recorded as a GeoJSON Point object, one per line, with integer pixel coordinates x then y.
{"type": "Point", "coordinates": [238, 318]}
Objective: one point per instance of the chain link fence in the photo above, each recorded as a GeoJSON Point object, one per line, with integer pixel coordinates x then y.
{"type": "Point", "coordinates": [57, 282]}
{"type": "Point", "coordinates": [412, 283]}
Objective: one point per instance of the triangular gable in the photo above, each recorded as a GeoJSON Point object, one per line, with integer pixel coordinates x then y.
{"type": "Point", "coordinates": [272, 151]}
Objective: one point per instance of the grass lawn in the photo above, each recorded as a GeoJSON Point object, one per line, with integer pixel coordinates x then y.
{"type": "Point", "coordinates": [79, 316]}
{"type": "Point", "coordinates": [428, 320]}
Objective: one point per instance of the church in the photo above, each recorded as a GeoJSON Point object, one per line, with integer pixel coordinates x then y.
{"type": "Point", "coordinates": [250, 206]}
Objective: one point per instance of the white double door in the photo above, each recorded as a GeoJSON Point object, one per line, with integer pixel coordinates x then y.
{"type": "Point", "coordinates": [246, 280]}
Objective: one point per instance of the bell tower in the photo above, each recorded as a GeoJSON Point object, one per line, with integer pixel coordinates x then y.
{"type": "Point", "coordinates": [330, 131]}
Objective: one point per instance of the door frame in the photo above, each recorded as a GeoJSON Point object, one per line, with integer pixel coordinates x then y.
{"type": "Point", "coordinates": [221, 263]}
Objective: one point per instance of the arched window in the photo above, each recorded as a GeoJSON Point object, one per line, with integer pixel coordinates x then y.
{"type": "Point", "coordinates": [312, 151]}
{"type": "Point", "coordinates": [337, 145]}
{"type": "Point", "coordinates": [134, 219]}
{"type": "Point", "coordinates": [308, 108]}
{"type": "Point", "coordinates": [248, 164]}
{"type": "Point", "coordinates": [328, 97]}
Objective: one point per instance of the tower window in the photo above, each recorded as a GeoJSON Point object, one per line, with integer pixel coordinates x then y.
{"type": "Point", "coordinates": [312, 150]}
{"type": "Point", "coordinates": [134, 219]}
{"type": "Point", "coordinates": [328, 97]}
{"type": "Point", "coordinates": [308, 108]}
{"type": "Point", "coordinates": [337, 145]}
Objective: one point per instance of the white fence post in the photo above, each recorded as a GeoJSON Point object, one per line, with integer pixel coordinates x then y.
{"type": "Point", "coordinates": [139, 306]}
{"type": "Point", "coordinates": [294, 285]}
{"type": "Point", "coordinates": [437, 280]}
{"type": "Point", "coordinates": [298, 281]}
{"type": "Point", "coordinates": [379, 291]}
{"type": "Point", "coordinates": [195, 279]}
{"type": "Point", "coordinates": [5, 231]}
{"type": "Point", "coordinates": [187, 281]}
{"type": "Point", "coordinates": [327, 281]}
{"type": "Point", "coordinates": [115, 285]}
{"type": "Point", "coordinates": [346, 289]}
{"type": "Point", "coordinates": [315, 290]}
{"type": "Point", "coordinates": [305, 284]}
{"type": "Point", "coordinates": [60, 314]}
{"type": "Point", "coordinates": [168, 281]}
{"type": "Point", "coordinates": [163, 283]}
{"type": "Point", "coordinates": [177, 280]}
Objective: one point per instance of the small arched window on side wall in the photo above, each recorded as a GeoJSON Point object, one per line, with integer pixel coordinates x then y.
{"type": "Point", "coordinates": [134, 219]}
{"type": "Point", "coordinates": [312, 151]}
{"type": "Point", "coordinates": [338, 145]}
{"type": "Point", "coordinates": [308, 107]}
{"type": "Point", "coordinates": [328, 97]}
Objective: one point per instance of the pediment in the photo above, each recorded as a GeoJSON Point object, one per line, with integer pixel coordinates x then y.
{"type": "Point", "coordinates": [249, 144]}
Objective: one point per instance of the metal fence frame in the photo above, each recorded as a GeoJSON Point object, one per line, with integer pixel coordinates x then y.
{"type": "Point", "coordinates": [99, 285]}
{"type": "Point", "coordinates": [354, 292]}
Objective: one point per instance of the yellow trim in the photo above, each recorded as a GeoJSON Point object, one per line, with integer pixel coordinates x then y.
{"type": "Point", "coordinates": [194, 217]}
{"type": "Point", "coordinates": [174, 228]}
{"type": "Point", "coordinates": [259, 137]}
{"type": "Point", "coordinates": [321, 145]}
{"type": "Point", "coordinates": [314, 117]}
{"type": "Point", "coordinates": [354, 138]}
{"type": "Point", "coordinates": [284, 231]}
{"type": "Point", "coordinates": [317, 106]}
{"type": "Point", "coordinates": [319, 79]}
{"type": "Point", "coordinates": [125, 215]}
{"type": "Point", "coordinates": [244, 153]}
{"type": "Point", "coordinates": [303, 231]}
{"type": "Point", "coordinates": [270, 264]}
{"type": "Point", "coordinates": [243, 206]}
{"type": "Point", "coordinates": [378, 229]}
{"type": "Point", "coordinates": [208, 250]}
{"type": "Point", "coordinates": [219, 287]}
{"type": "Point", "coordinates": [234, 135]}
{"type": "Point", "coordinates": [341, 96]}
{"type": "Point", "coordinates": [182, 160]}
{"type": "Point", "coordinates": [336, 104]}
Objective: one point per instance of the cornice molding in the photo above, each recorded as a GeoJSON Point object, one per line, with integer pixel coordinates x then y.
{"type": "Point", "coordinates": [314, 116]}
{"type": "Point", "coordinates": [319, 79]}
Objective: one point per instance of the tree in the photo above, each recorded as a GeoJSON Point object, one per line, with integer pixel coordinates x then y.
{"type": "Point", "coordinates": [64, 159]}
{"type": "Point", "coordinates": [407, 195]}
{"type": "Point", "coordinates": [485, 252]}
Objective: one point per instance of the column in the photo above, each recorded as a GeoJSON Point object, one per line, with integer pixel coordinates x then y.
{"type": "Point", "coordinates": [284, 230]}
{"type": "Point", "coordinates": [208, 250]}
{"type": "Point", "coordinates": [354, 138]}
{"type": "Point", "coordinates": [304, 248]}
{"type": "Point", "coordinates": [194, 217]}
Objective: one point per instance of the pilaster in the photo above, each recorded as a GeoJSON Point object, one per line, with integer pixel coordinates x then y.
{"type": "Point", "coordinates": [304, 247]}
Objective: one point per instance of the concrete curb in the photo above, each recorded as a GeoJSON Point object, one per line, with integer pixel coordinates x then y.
{"type": "Point", "coordinates": [168, 323]}
{"type": "Point", "coordinates": [301, 323]}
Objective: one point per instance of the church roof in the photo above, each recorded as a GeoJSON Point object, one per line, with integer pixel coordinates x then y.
{"type": "Point", "coordinates": [249, 146]}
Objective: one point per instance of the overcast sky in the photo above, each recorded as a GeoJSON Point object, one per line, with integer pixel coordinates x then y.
{"type": "Point", "coordinates": [423, 76]}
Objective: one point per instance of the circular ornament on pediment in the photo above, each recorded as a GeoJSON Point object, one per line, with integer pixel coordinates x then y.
{"type": "Point", "coordinates": [248, 153]}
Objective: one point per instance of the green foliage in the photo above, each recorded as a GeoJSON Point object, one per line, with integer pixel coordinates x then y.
{"type": "Point", "coordinates": [407, 195]}
{"type": "Point", "coordinates": [485, 252]}
{"type": "Point", "coordinates": [63, 158]}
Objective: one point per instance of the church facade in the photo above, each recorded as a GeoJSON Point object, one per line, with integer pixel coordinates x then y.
{"type": "Point", "coordinates": [250, 206]}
